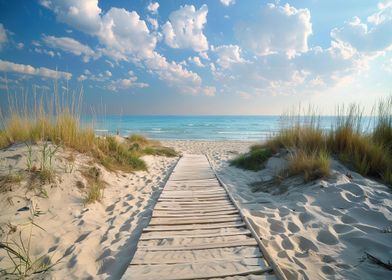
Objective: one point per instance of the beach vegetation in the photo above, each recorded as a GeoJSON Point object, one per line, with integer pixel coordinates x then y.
{"type": "Point", "coordinates": [363, 147]}
{"type": "Point", "coordinates": [95, 185]}
{"type": "Point", "coordinates": [19, 252]}
{"type": "Point", "coordinates": [254, 159]}
{"type": "Point", "coordinates": [55, 121]}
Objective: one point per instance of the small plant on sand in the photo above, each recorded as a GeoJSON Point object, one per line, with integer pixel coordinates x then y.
{"type": "Point", "coordinates": [254, 159]}
{"type": "Point", "coordinates": [313, 166]}
{"type": "Point", "coordinates": [95, 185]}
{"type": "Point", "coordinates": [19, 254]}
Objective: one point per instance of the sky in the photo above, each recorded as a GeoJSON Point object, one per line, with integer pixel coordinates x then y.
{"type": "Point", "coordinates": [217, 57]}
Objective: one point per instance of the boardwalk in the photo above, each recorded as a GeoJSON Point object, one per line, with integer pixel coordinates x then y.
{"type": "Point", "coordinates": [196, 232]}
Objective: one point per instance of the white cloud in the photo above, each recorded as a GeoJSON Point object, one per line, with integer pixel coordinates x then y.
{"type": "Point", "coordinates": [108, 73]}
{"type": "Point", "coordinates": [317, 69]}
{"type": "Point", "coordinates": [185, 28]}
{"type": "Point", "coordinates": [196, 60]}
{"type": "Point", "coordinates": [8, 66]}
{"type": "Point", "coordinates": [227, 2]}
{"type": "Point", "coordinates": [126, 83]}
{"type": "Point", "coordinates": [82, 15]}
{"type": "Point", "coordinates": [82, 78]}
{"type": "Point", "coordinates": [69, 45]}
{"type": "Point", "coordinates": [374, 36]}
{"type": "Point", "coordinates": [124, 36]}
{"type": "Point", "coordinates": [44, 51]}
{"type": "Point", "coordinates": [187, 82]}
{"type": "Point", "coordinates": [124, 33]}
{"type": "Point", "coordinates": [153, 7]}
{"type": "Point", "coordinates": [228, 55]}
{"type": "Point", "coordinates": [20, 46]}
{"type": "Point", "coordinates": [3, 36]}
{"type": "Point", "coordinates": [153, 22]}
{"type": "Point", "coordinates": [276, 29]}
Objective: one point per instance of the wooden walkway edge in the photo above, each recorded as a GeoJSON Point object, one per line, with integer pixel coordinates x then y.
{"type": "Point", "coordinates": [197, 231]}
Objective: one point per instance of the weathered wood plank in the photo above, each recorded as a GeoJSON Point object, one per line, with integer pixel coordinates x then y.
{"type": "Point", "coordinates": [191, 221]}
{"type": "Point", "coordinates": [164, 214]}
{"type": "Point", "coordinates": [250, 242]}
{"type": "Point", "coordinates": [185, 227]}
{"type": "Point", "coordinates": [172, 236]}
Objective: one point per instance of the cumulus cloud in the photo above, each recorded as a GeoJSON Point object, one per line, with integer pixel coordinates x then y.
{"type": "Point", "coordinates": [153, 7]}
{"type": "Point", "coordinates": [228, 55]}
{"type": "Point", "coordinates": [69, 45]}
{"type": "Point", "coordinates": [185, 28]}
{"type": "Point", "coordinates": [186, 81]}
{"type": "Point", "coordinates": [82, 15]}
{"type": "Point", "coordinates": [126, 83]}
{"type": "Point", "coordinates": [316, 69]}
{"type": "Point", "coordinates": [8, 66]}
{"type": "Point", "coordinates": [372, 36]}
{"type": "Point", "coordinates": [125, 36]}
{"type": "Point", "coordinates": [227, 2]}
{"type": "Point", "coordinates": [276, 29]}
{"type": "Point", "coordinates": [3, 36]}
{"type": "Point", "coordinates": [125, 33]}
{"type": "Point", "coordinates": [153, 22]}
{"type": "Point", "coordinates": [196, 60]}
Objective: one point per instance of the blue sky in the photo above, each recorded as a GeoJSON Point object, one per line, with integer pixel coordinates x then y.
{"type": "Point", "coordinates": [199, 57]}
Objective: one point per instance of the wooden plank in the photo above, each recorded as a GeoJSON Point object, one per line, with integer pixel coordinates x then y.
{"type": "Point", "coordinates": [195, 256]}
{"type": "Point", "coordinates": [194, 199]}
{"type": "Point", "coordinates": [196, 209]}
{"type": "Point", "coordinates": [185, 227]}
{"type": "Point", "coordinates": [162, 214]}
{"type": "Point", "coordinates": [195, 203]}
{"type": "Point", "coordinates": [191, 221]}
{"type": "Point", "coordinates": [172, 236]}
{"type": "Point", "coordinates": [250, 242]}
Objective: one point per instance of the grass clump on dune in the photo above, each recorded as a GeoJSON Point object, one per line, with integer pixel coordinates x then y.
{"type": "Point", "coordinates": [56, 119]}
{"type": "Point", "coordinates": [254, 159]}
{"type": "Point", "coordinates": [367, 151]}
{"type": "Point", "coordinates": [142, 145]}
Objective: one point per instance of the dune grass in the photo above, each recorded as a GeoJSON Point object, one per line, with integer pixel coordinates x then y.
{"type": "Point", "coordinates": [254, 159]}
{"type": "Point", "coordinates": [367, 151]}
{"type": "Point", "coordinates": [56, 119]}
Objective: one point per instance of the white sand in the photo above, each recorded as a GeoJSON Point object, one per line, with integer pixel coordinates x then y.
{"type": "Point", "coordinates": [94, 241]}
{"type": "Point", "coordinates": [319, 230]}
{"type": "Point", "coordinates": [315, 231]}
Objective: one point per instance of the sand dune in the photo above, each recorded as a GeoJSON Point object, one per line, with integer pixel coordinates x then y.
{"type": "Point", "coordinates": [94, 241]}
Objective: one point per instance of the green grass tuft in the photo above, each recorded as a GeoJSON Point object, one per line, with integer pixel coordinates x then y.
{"type": "Point", "coordinates": [254, 159]}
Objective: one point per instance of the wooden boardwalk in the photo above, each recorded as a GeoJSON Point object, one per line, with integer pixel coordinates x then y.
{"type": "Point", "coordinates": [197, 232]}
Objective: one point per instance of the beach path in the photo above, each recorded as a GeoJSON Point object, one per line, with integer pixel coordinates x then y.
{"type": "Point", "coordinates": [197, 232]}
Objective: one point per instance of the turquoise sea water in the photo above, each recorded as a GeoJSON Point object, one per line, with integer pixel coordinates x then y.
{"type": "Point", "coordinates": [249, 128]}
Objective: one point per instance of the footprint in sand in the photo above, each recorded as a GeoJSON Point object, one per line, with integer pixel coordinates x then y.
{"type": "Point", "coordinates": [326, 269]}
{"type": "Point", "coordinates": [348, 220]}
{"type": "Point", "coordinates": [326, 237]}
{"type": "Point", "coordinates": [341, 228]}
{"type": "Point", "coordinates": [306, 244]}
{"type": "Point", "coordinates": [287, 244]}
{"type": "Point", "coordinates": [293, 227]}
{"type": "Point", "coordinates": [276, 226]}
{"type": "Point", "coordinates": [305, 217]}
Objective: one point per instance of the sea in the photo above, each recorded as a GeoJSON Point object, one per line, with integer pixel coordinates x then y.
{"type": "Point", "coordinates": [241, 128]}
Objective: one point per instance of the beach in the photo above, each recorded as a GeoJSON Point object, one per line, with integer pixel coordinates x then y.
{"type": "Point", "coordinates": [318, 230]}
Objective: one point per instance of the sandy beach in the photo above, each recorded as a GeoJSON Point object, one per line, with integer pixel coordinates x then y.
{"type": "Point", "coordinates": [319, 230]}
